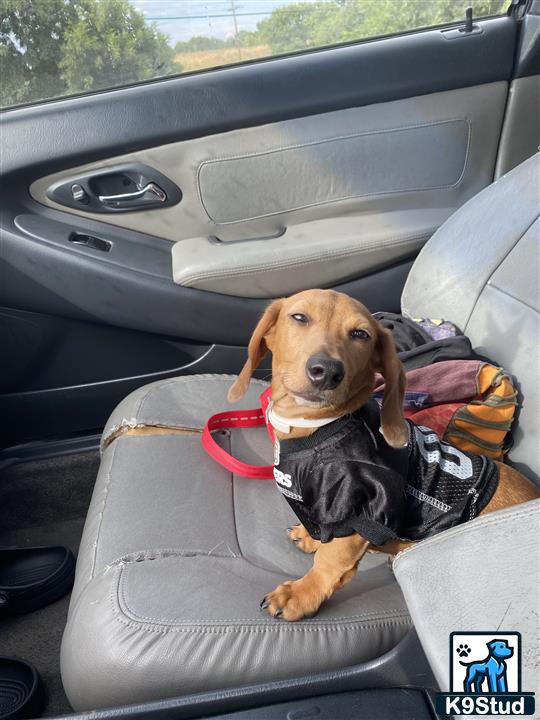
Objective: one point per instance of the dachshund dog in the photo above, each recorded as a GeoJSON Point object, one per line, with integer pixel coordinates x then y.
{"type": "Point", "coordinates": [326, 349]}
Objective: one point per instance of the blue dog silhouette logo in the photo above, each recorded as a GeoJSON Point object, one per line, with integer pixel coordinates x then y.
{"type": "Point", "coordinates": [489, 674]}
{"type": "Point", "coordinates": [485, 676]}
{"type": "Point", "coordinates": [483, 663]}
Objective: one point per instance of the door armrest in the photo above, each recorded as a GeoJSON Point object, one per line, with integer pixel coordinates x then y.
{"type": "Point", "coordinates": [322, 253]}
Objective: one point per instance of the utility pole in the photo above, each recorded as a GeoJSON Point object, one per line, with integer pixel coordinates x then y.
{"type": "Point", "coordinates": [235, 23]}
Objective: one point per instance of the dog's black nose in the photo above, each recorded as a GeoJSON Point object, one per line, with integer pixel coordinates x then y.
{"type": "Point", "coordinates": [324, 372]}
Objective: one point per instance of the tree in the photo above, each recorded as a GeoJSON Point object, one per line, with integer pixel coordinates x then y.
{"type": "Point", "coordinates": [400, 15]}
{"type": "Point", "coordinates": [111, 45]}
{"type": "Point", "coordinates": [31, 35]}
{"type": "Point", "coordinates": [199, 43]}
{"type": "Point", "coordinates": [50, 48]}
{"type": "Point", "coordinates": [293, 27]}
{"type": "Point", "coordinates": [248, 38]}
{"type": "Point", "coordinates": [305, 25]}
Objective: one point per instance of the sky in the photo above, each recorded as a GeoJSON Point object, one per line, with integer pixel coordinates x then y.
{"type": "Point", "coordinates": [182, 19]}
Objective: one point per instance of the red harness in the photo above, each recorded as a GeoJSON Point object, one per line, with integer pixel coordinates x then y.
{"type": "Point", "coordinates": [239, 419]}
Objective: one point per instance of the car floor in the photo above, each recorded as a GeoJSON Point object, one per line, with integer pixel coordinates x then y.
{"type": "Point", "coordinates": [44, 502]}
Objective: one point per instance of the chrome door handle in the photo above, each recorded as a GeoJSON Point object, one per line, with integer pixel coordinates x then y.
{"type": "Point", "coordinates": [148, 195]}
{"type": "Point", "coordinates": [125, 188]}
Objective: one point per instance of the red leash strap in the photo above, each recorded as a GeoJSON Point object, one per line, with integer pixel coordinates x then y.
{"type": "Point", "coordinates": [238, 419]}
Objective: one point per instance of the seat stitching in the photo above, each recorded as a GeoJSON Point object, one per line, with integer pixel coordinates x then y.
{"type": "Point", "coordinates": [128, 612]}
{"type": "Point", "coordinates": [213, 629]}
{"type": "Point", "coordinates": [233, 507]}
{"type": "Point", "coordinates": [494, 270]}
{"type": "Point", "coordinates": [461, 529]}
{"type": "Point", "coordinates": [297, 146]}
{"type": "Point", "coordinates": [508, 294]}
{"type": "Point", "coordinates": [279, 626]}
{"type": "Point", "coordinates": [158, 423]}
{"type": "Point", "coordinates": [102, 511]}
{"type": "Point", "coordinates": [327, 140]}
{"type": "Point", "coordinates": [302, 260]}
{"type": "Point", "coordinates": [248, 560]}
{"type": "Point", "coordinates": [160, 554]}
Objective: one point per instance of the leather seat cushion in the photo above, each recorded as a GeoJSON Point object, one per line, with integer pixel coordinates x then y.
{"type": "Point", "coordinates": [177, 554]}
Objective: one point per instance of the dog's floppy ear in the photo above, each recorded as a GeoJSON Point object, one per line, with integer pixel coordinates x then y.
{"type": "Point", "coordinates": [257, 349]}
{"type": "Point", "coordinates": [393, 425]}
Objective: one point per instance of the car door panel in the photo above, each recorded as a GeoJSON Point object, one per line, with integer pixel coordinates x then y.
{"type": "Point", "coordinates": [62, 376]}
{"type": "Point", "coordinates": [377, 142]}
{"type": "Point", "coordinates": [433, 151]}
{"type": "Point", "coordinates": [79, 284]}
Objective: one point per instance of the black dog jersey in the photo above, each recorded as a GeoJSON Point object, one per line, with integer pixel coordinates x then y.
{"type": "Point", "coordinates": [345, 478]}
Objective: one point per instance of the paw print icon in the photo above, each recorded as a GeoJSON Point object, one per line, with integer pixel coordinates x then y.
{"type": "Point", "coordinates": [463, 650]}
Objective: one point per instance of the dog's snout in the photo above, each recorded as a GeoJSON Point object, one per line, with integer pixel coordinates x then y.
{"type": "Point", "coordinates": [324, 372]}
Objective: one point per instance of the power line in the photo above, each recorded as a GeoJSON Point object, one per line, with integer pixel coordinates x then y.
{"type": "Point", "coordinates": [205, 17]}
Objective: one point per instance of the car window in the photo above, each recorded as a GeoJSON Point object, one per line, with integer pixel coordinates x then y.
{"type": "Point", "coordinates": [55, 48]}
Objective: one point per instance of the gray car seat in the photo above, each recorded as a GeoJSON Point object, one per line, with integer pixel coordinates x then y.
{"type": "Point", "coordinates": [177, 553]}
{"type": "Point", "coordinates": [482, 269]}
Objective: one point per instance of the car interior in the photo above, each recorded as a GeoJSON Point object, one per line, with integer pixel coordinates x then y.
{"type": "Point", "coordinates": [143, 230]}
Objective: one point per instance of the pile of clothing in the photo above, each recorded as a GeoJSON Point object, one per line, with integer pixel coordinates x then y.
{"type": "Point", "coordinates": [468, 401]}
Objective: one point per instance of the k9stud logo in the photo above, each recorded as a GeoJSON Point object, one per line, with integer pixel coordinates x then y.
{"type": "Point", "coordinates": [485, 676]}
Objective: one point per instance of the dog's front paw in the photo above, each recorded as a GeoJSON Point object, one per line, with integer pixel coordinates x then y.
{"type": "Point", "coordinates": [292, 600]}
{"type": "Point", "coordinates": [302, 539]}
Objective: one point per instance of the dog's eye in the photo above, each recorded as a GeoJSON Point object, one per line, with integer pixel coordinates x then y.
{"type": "Point", "coordinates": [300, 318]}
{"type": "Point", "coordinates": [359, 334]}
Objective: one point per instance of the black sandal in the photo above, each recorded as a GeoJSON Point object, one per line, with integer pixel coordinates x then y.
{"type": "Point", "coordinates": [21, 690]}
{"type": "Point", "coordinates": [33, 577]}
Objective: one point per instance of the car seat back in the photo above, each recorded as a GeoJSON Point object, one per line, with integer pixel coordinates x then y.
{"type": "Point", "coordinates": [481, 271]}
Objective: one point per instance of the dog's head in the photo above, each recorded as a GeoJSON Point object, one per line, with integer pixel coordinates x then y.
{"type": "Point", "coordinates": [326, 348]}
{"type": "Point", "coordinates": [500, 649]}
